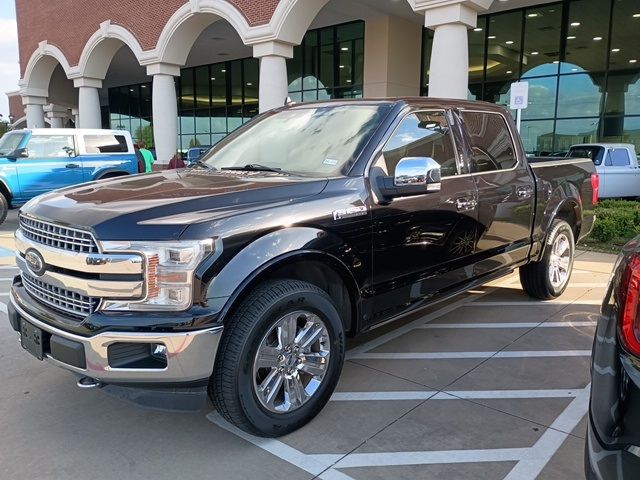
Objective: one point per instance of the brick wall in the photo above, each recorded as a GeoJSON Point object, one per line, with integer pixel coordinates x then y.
{"type": "Point", "coordinates": [15, 106]}
{"type": "Point", "coordinates": [68, 24]}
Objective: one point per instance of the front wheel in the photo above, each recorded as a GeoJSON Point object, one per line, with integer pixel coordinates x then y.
{"type": "Point", "coordinates": [4, 208]}
{"type": "Point", "coordinates": [549, 277]}
{"type": "Point", "coordinates": [279, 360]}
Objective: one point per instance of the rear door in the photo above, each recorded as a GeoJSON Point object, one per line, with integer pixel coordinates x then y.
{"type": "Point", "coordinates": [52, 163]}
{"type": "Point", "coordinates": [506, 191]}
{"type": "Point", "coordinates": [104, 152]}
{"type": "Point", "coordinates": [422, 244]}
{"type": "Point", "coordinates": [622, 178]}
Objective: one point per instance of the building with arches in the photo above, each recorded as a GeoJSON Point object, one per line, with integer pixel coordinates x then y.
{"type": "Point", "coordinates": [180, 73]}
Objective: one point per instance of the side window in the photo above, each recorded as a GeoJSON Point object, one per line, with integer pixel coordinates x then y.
{"type": "Point", "coordinates": [105, 143]}
{"type": "Point", "coordinates": [491, 142]}
{"type": "Point", "coordinates": [51, 146]}
{"type": "Point", "coordinates": [421, 134]}
{"type": "Point", "coordinates": [617, 157]}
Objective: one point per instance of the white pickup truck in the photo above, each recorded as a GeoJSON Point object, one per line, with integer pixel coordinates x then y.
{"type": "Point", "coordinates": [616, 164]}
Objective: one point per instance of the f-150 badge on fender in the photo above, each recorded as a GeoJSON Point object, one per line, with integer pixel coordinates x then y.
{"type": "Point", "coordinates": [349, 212]}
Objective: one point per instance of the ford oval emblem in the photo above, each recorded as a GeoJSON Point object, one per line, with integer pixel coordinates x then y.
{"type": "Point", "coordinates": [35, 262]}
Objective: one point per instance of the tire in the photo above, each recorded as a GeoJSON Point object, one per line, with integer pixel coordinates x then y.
{"type": "Point", "coordinates": [536, 277]}
{"type": "Point", "coordinates": [4, 208]}
{"type": "Point", "coordinates": [238, 385]}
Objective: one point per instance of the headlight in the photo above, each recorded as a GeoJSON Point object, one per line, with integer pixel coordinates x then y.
{"type": "Point", "coordinates": [168, 274]}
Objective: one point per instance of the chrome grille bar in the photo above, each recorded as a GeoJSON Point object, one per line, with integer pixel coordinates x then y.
{"type": "Point", "coordinates": [64, 238]}
{"type": "Point", "coordinates": [66, 301]}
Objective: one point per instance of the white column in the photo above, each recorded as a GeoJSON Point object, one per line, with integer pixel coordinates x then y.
{"type": "Point", "coordinates": [449, 67]}
{"type": "Point", "coordinates": [88, 102]}
{"type": "Point", "coordinates": [34, 108]}
{"type": "Point", "coordinates": [57, 115]}
{"type": "Point", "coordinates": [165, 110]}
{"type": "Point", "coordinates": [76, 117]}
{"type": "Point", "coordinates": [274, 83]}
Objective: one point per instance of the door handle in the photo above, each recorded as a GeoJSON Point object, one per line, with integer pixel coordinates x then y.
{"type": "Point", "coordinates": [72, 165]}
{"type": "Point", "coordinates": [524, 191]}
{"type": "Point", "coordinates": [464, 204]}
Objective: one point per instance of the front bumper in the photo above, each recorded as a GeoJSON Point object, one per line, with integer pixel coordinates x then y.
{"type": "Point", "coordinates": [190, 355]}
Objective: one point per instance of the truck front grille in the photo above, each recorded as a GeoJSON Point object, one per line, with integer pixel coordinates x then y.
{"type": "Point", "coordinates": [60, 299]}
{"type": "Point", "coordinates": [56, 236]}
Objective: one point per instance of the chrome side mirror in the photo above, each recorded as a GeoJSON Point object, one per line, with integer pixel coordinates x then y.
{"type": "Point", "coordinates": [418, 172]}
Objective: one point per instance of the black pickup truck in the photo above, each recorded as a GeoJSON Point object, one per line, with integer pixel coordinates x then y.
{"type": "Point", "coordinates": [242, 275]}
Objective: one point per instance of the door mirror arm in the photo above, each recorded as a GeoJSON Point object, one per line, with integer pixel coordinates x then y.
{"type": "Point", "coordinates": [18, 153]}
{"type": "Point", "coordinates": [413, 176]}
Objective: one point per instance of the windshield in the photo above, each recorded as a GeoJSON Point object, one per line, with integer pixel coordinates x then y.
{"type": "Point", "coordinates": [9, 142]}
{"type": "Point", "coordinates": [315, 141]}
{"type": "Point", "coordinates": [593, 153]}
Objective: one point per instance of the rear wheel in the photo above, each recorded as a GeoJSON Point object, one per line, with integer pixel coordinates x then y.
{"type": "Point", "coordinates": [4, 208]}
{"type": "Point", "coordinates": [279, 359]}
{"type": "Point", "coordinates": [549, 277]}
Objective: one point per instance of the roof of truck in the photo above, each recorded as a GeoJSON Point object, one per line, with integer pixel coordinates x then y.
{"type": "Point", "coordinates": [605, 145]}
{"type": "Point", "coordinates": [69, 131]}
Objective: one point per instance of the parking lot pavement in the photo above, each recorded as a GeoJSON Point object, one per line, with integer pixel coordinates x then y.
{"type": "Point", "coordinates": [487, 385]}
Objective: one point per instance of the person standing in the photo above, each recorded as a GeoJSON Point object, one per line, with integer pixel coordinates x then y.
{"type": "Point", "coordinates": [147, 156]}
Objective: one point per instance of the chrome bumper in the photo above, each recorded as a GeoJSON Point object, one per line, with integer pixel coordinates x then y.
{"type": "Point", "coordinates": [190, 355]}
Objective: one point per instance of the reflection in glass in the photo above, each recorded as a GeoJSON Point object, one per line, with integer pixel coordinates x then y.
{"type": "Point", "coordinates": [623, 93]}
{"type": "Point", "coordinates": [542, 40]}
{"type": "Point", "coordinates": [542, 98]}
{"type": "Point", "coordinates": [571, 132]}
{"type": "Point", "coordinates": [476, 51]}
{"type": "Point", "coordinates": [503, 46]}
{"type": "Point", "coordinates": [587, 36]}
{"type": "Point", "coordinates": [537, 137]}
{"type": "Point", "coordinates": [625, 35]}
{"type": "Point", "coordinates": [580, 95]}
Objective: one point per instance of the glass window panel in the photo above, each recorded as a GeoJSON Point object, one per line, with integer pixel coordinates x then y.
{"type": "Point", "coordinates": [503, 50]}
{"type": "Point", "coordinates": [571, 132]}
{"type": "Point", "coordinates": [475, 92]}
{"type": "Point", "coordinates": [145, 100]}
{"type": "Point", "coordinates": [236, 82]}
{"type": "Point", "coordinates": [186, 88]}
{"type": "Point", "coordinates": [216, 137]}
{"type": "Point", "coordinates": [358, 52]}
{"type": "Point", "coordinates": [587, 36]}
{"type": "Point", "coordinates": [427, 43]}
{"type": "Point", "coordinates": [203, 123]}
{"type": "Point", "coordinates": [310, 72]}
{"type": "Point", "coordinates": [625, 35]}
{"type": "Point", "coordinates": [294, 67]}
{"type": "Point", "coordinates": [327, 36]}
{"type": "Point", "coordinates": [51, 146]}
{"type": "Point", "coordinates": [295, 96]}
{"type": "Point", "coordinates": [202, 93]}
{"type": "Point", "coordinates": [187, 123]}
{"type": "Point", "coordinates": [542, 98]}
{"type": "Point", "coordinates": [491, 142]}
{"type": "Point", "coordinates": [542, 33]}
{"type": "Point", "coordinates": [218, 81]}
{"type": "Point", "coordinates": [537, 137]}
{"type": "Point", "coordinates": [623, 93]}
{"type": "Point", "coordinates": [310, 96]}
{"type": "Point", "coordinates": [219, 120]}
{"type": "Point", "coordinates": [498, 93]}
{"type": "Point", "coordinates": [202, 140]}
{"type": "Point", "coordinates": [350, 31]}
{"type": "Point", "coordinates": [477, 38]}
{"type": "Point", "coordinates": [580, 95]}
{"type": "Point", "coordinates": [234, 119]}
{"type": "Point", "coordinates": [125, 105]}
{"type": "Point", "coordinates": [249, 111]}
{"type": "Point", "coordinates": [251, 79]}
{"type": "Point", "coordinates": [345, 68]}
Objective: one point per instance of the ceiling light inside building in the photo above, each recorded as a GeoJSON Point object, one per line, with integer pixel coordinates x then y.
{"type": "Point", "coordinates": [341, 66]}
{"type": "Point", "coordinates": [532, 15]}
{"type": "Point", "coordinates": [509, 42]}
{"type": "Point", "coordinates": [345, 49]}
{"type": "Point", "coordinates": [556, 61]}
{"type": "Point", "coordinates": [213, 78]}
{"type": "Point", "coordinates": [571, 37]}
{"type": "Point", "coordinates": [535, 53]}
{"type": "Point", "coordinates": [491, 37]}
{"type": "Point", "coordinates": [597, 39]}
{"type": "Point", "coordinates": [575, 24]}
{"type": "Point", "coordinates": [636, 15]}
{"type": "Point", "coordinates": [348, 81]}
{"type": "Point", "coordinates": [249, 84]}
{"type": "Point", "coordinates": [633, 61]}
{"type": "Point", "coordinates": [477, 29]}
{"type": "Point", "coordinates": [143, 86]}
{"type": "Point", "coordinates": [615, 50]}
{"type": "Point", "coordinates": [509, 71]}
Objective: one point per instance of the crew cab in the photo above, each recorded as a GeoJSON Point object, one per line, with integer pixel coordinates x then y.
{"type": "Point", "coordinates": [36, 161]}
{"type": "Point", "coordinates": [243, 275]}
{"type": "Point", "coordinates": [616, 164]}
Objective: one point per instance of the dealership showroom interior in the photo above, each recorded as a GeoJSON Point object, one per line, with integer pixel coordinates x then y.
{"type": "Point", "coordinates": [320, 239]}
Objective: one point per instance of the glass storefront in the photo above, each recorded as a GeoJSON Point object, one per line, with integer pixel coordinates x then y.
{"type": "Point", "coordinates": [214, 100]}
{"type": "Point", "coordinates": [581, 60]}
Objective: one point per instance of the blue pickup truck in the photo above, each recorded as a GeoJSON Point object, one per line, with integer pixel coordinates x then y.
{"type": "Point", "coordinates": [36, 161]}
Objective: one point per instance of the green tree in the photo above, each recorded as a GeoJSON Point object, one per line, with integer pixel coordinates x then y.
{"type": "Point", "coordinates": [145, 133]}
{"type": "Point", "coordinates": [194, 142]}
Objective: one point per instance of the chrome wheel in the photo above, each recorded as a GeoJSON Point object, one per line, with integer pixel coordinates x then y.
{"type": "Point", "coordinates": [291, 361]}
{"type": "Point", "coordinates": [560, 261]}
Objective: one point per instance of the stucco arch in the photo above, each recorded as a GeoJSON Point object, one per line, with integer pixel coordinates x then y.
{"type": "Point", "coordinates": [189, 21]}
{"type": "Point", "coordinates": [40, 67]}
{"type": "Point", "coordinates": [102, 46]}
{"type": "Point", "coordinates": [292, 19]}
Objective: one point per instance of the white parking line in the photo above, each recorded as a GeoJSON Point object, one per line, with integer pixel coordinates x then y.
{"type": "Point", "coordinates": [536, 303]}
{"type": "Point", "coordinates": [459, 355]}
{"type": "Point", "coordinates": [451, 395]}
{"type": "Point", "coordinates": [509, 325]}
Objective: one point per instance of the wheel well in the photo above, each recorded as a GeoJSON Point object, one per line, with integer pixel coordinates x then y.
{"type": "Point", "coordinates": [112, 175]}
{"type": "Point", "coordinates": [321, 274]}
{"type": "Point", "coordinates": [5, 191]}
{"type": "Point", "coordinates": [568, 213]}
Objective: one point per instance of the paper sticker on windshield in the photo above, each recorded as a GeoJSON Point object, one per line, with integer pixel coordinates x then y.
{"type": "Point", "coordinates": [330, 161]}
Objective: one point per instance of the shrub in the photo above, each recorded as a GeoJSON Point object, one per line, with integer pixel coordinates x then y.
{"type": "Point", "coordinates": [616, 220]}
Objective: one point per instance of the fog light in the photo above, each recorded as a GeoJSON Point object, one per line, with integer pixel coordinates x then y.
{"type": "Point", "coordinates": [159, 351]}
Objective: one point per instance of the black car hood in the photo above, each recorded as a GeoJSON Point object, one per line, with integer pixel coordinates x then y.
{"type": "Point", "coordinates": [133, 208]}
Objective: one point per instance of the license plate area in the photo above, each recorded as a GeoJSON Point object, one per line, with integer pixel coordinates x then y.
{"type": "Point", "coordinates": [32, 339]}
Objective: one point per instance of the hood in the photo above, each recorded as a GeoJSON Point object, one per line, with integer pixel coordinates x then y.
{"type": "Point", "coordinates": [129, 208]}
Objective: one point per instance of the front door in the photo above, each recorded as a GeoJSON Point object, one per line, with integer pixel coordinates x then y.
{"type": "Point", "coordinates": [506, 190]}
{"type": "Point", "coordinates": [422, 244]}
{"type": "Point", "coordinates": [51, 163]}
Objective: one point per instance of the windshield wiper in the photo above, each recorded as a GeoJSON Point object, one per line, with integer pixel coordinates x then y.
{"type": "Point", "coordinates": [254, 167]}
{"type": "Point", "coordinates": [200, 163]}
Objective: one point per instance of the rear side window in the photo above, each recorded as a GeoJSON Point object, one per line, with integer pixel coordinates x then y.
{"type": "Point", "coordinates": [491, 142]}
{"type": "Point", "coordinates": [105, 143]}
{"type": "Point", "coordinates": [617, 157]}
{"type": "Point", "coordinates": [593, 153]}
